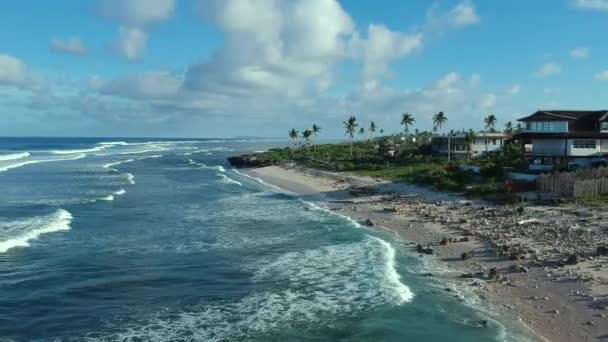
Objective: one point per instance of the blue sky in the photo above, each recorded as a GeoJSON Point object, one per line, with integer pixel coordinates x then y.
{"type": "Point", "coordinates": [220, 68]}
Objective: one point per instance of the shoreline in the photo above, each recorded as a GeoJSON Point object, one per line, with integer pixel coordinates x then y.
{"type": "Point", "coordinates": [552, 303]}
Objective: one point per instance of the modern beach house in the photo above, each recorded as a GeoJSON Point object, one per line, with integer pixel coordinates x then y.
{"type": "Point", "coordinates": [484, 143]}
{"type": "Point", "coordinates": [575, 138]}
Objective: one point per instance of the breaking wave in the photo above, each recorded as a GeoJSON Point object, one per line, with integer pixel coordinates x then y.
{"type": "Point", "coordinates": [227, 180]}
{"type": "Point", "coordinates": [13, 166]}
{"type": "Point", "coordinates": [130, 178]}
{"type": "Point", "coordinates": [86, 150]}
{"type": "Point", "coordinates": [13, 156]}
{"type": "Point", "coordinates": [20, 233]}
{"type": "Point", "coordinates": [110, 166]}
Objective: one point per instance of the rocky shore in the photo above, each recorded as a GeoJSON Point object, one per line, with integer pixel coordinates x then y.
{"type": "Point", "coordinates": [537, 265]}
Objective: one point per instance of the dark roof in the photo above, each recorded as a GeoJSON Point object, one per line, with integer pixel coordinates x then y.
{"type": "Point", "coordinates": [569, 115]}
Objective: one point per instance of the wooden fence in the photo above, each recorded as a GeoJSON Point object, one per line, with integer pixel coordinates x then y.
{"type": "Point", "coordinates": [580, 183]}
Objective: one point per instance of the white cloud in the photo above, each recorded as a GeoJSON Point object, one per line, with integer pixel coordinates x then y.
{"type": "Point", "coordinates": [15, 73]}
{"type": "Point", "coordinates": [72, 45]}
{"type": "Point", "coordinates": [515, 89]}
{"type": "Point", "coordinates": [12, 71]}
{"type": "Point", "coordinates": [137, 12]}
{"type": "Point", "coordinates": [383, 46]}
{"type": "Point", "coordinates": [146, 86]}
{"type": "Point", "coordinates": [602, 76]}
{"type": "Point", "coordinates": [487, 101]}
{"type": "Point", "coordinates": [134, 15]}
{"type": "Point", "coordinates": [580, 52]}
{"type": "Point", "coordinates": [279, 58]}
{"type": "Point", "coordinates": [131, 42]}
{"type": "Point", "coordinates": [548, 69]}
{"type": "Point", "coordinates": [601, 5]}
{"type": "Point", "coordinates": [461, 15]}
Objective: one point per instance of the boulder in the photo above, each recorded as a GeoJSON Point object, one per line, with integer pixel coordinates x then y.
{"type": "Point", "coordinates": [249, 161]}
{"type": "Point", "coordinates": [465, 256]}
{"type": "Point", "coordinates": [602, 250]}
{"type": "Point", "coordinates": [368, 223]}
{"type": "Point", "coordinates": [571, 260]}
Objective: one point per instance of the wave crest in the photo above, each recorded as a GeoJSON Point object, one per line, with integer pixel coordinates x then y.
{"type": "Point", "coordinates": [13, 156]}
{"type": "Point", "coordinates": [20, 233]}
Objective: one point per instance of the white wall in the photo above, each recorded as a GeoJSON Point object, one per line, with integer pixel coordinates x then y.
{"type": "Point", "coordinates": [479, 146]}
{"type": "Point", "coordinates": [604, 145]}
{"type": "Point", "coordinates": [548, 146]}
{"type": "Point", "coordinates": [582, 151]}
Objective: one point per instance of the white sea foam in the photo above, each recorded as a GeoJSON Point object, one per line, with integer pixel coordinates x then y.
{"type": "Point", "coordinates": [326, 284]}
{"type": "Point", "coordinates": [392, 277]}
{"type": "Point", "coordinates": [13, 156]}
{"type": "Point", "coordinates": [266, 184]}
{"type": "Point", "coordinates": [20, 233]}
{"type": "Point", "coordinates": [86, 150]}
{"type": "Point", "coordinates": [120, 192]}
{"type": "Point", "coordinates": [227, 180]}
{"type": "Point", "coordinates": [150, 157]}
{"type": "Point", "coordinates": [111, 165]}
{"type": "Point", "coordinates": [130, 178]}
{"type": "Point", "coordinates": [13, 166]}
{"type": "Point", "coordinates": [113, 143]}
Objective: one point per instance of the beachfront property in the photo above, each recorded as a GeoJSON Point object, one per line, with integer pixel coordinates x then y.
{"type": "Point", "coordinates": [484, 143]}
{"type": "Point", "coordinates": [576, 138]}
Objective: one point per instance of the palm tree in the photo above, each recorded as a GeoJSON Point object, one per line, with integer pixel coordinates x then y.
{"type": "Point", "coordinates": [372, 129]}
{"type": "Point", "coordinates": [509, 128]}
{"type": "Point", "coordinates": [293, 134]}
{"type": "Point", "coordinates": [315, 131]}
{"type": "Point", "coordinates": [490, 122]}
{"type": "Point", "coordinates": [469, 139]}
{"type": "Point", "coordinates": [351, 127]}
{"type": "Point", "coordinates": [519, 128]}
{"type": "Point", "coordinates": [406, 121]}
{"type": "Point", "coordinates": [438, 120]}
{"type": "Point", "coordinates": [306, 135]}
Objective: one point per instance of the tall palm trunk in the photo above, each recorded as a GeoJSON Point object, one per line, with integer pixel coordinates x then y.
{"type": "Point", "coordinates": [351, 147]}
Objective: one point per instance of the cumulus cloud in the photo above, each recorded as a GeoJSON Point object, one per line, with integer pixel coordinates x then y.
{"type": "Point", "coordinates": [12, 71]}
{"type": "Point", "coordinates": [146, 86]}
{"type": "Point", "coordinates": [548, 69]}
{"type": "Point", "coordinates": [72, 45]}
{"type": "Point", "coordinates": [270, 46]}
{"type": "Point", "coordinates": [461, 15]}
{"type": "Point", "coordinates": [131, 42]}
{"type": "Point", "coordinates": [602, 76]}
{"type": "Point", "coordinates": [580, 53]}
{"type": "Point", "coordinates": [134, 16]}
{"type": "Point", "coordinates": [383, 46]}
{"type": "Point", "coordinates": [600, 5]}
{"type": "Point", "coordinates": [281, 57]}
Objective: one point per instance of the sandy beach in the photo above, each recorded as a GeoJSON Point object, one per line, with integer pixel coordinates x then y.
{"type": "Point", "coordinates": [505, 255]}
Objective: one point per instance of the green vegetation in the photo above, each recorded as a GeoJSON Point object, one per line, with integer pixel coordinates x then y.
{"type": "Point", "coordinates": [405, 157]}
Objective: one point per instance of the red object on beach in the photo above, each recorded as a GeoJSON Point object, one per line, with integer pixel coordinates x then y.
{"type": "Point", "coordinates": [512, 186]}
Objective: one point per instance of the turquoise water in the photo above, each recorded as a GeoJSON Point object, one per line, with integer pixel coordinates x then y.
{"type": "Point", "coordinates": [156, 240]}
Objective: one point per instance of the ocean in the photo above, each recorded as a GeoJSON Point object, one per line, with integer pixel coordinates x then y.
{"type": "Point", "coordinates": [160, 240]}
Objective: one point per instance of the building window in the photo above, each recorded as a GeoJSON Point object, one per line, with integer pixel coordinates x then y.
{"type": "Point", "coordinates": [584, 144]}
{"type": "Point", "coordinates": [604, 125]}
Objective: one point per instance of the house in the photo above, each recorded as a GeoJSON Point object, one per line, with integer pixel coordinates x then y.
{"type": "Point", "coordinates": [576, 138]}
{"type": "Point", "coordinates": [484, 143]}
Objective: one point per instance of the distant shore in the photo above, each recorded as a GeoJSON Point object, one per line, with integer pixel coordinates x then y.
{"type": "Point", "coordinates": [555, 303]}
